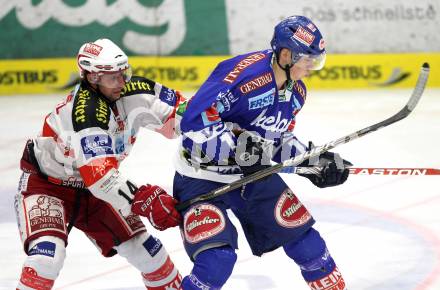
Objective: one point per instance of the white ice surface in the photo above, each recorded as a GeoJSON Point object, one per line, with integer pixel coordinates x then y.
{"type": "Point", "coordinates": [383, 231]}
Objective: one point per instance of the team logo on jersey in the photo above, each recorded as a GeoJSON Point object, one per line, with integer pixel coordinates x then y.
{"type": "Point", "coordinates": [303, 36]}
{"type": "Point", "coordinates": [242, 65]}
{"type": "Point", "coordinates": [96, 145]}
{"type": "Point", "coordinates": [256, 83]}
{"type": "Point", "coordinates": [152, 245]}
{"type": "Point", "coordinates": [289, 211]}
{"type": "Point", "coordinates": [43, 248]}
{"type": "Point", "coordinates": [262, 100]}
{"type": "Point", "coordinates": [202, 222]}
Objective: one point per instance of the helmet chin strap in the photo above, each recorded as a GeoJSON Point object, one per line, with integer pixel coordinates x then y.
{"type": "Point", "coordinates": [285, 68]}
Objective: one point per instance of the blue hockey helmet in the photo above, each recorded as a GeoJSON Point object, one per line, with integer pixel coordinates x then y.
{"type": "Point", "coordinates": [301, 36]}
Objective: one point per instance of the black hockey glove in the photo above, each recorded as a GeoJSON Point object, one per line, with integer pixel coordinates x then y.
{"type": "Point", "coordinates": [333, 169]}
{"type": "Point", "coordinates": [250, 155]}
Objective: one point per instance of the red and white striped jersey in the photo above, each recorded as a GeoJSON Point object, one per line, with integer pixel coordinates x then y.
{"type": "Point", "coordinates": [85, 137]}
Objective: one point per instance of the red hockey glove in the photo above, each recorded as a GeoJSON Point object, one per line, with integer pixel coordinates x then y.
{"type": "Point", "coordinates": [152, 202]}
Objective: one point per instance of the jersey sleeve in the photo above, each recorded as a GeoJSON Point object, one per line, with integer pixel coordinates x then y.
{"type": "Point", "coordinates": [94, 152]}
{"type": "Point", "coordinates": [154, 106]}
{"type": "Point", "coordinates": [205, 133]}
{"type": "Point", "coordinates": [300, 95]}
{"type": "Point", "coordinates": [289, 148]}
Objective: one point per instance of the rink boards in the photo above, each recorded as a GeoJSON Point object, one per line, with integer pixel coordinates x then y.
{"type": "Point", "coordinates": [342, 71]}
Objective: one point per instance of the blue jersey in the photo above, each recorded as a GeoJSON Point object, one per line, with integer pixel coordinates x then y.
{"type": "Point", "coordinates": [240, 95]}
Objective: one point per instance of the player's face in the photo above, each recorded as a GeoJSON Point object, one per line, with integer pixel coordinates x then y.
{"type": "Point", "coordinates": [299, 72]}
{"type": "Point", "coordinates": [305, 65]}
{"type": "Point", "coordinates": [111, 84]}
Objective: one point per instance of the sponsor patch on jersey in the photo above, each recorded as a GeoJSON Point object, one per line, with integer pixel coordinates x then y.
{"type": "Point", "coordinates": [96, 145]}
{"type": "Point", "coordinates": [138, 85]}
{"type": "Point", "coordinates": [226, 99]}
{"type": "Point", "coordinates": [89, 110]}
{"type": "Point", "coordinates": [300, 89]}
{"type": "Point", "coordinates": [303, 36]}
{"type": "Point", "coordinates": [256, 83]}
{"type": "Point", "coordinates": [71, 181]}
{"type": "Point", "coordinates": [81, 104]}
{"type": "Point", "coordinates": [152, 245]}
{"type": "Point", "coordinates": [203, 222]}
{"type": "Point", "coordinates": [44, 213]}
{"type": "Point", "coordinates": [262, 100]}
{"type": "Point", "coordinates": [289, 211]}
{"type": "Point", "coordinates": [270, 122]}
{"type": "Point", "coordinates": [167, 96]}
{"type": "Point", "coordinates": [102, 112]}
{"type": "Point", "coordinates": [134, 222]}
{"type": "Point", "coordinates": [43, 248]}
{"type": "Point", "coordinates": [210, 116]}
{"type": "Point", "coordinates": [242, 65]}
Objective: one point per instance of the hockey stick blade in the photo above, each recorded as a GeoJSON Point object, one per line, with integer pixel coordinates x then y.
{"type": "Point", "coordinates": [395, 171]}
{"type": "Point", "coordinates": [318, 150]}
{"type": "Point", "coordinates": [367, 170]}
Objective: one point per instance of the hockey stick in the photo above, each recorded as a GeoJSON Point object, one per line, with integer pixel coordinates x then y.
{"type": "Point", "coordinates": [316, 151]}
{"type": "Point", "coordinates": [367, 171]}
{"type": "Point", "coordinates": [395, 171]}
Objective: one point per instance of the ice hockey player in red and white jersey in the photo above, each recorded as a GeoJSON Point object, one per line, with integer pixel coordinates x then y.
{"type": "Point", "coordinates": [70, 173]}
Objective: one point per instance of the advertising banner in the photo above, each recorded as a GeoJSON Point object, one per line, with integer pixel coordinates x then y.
{"type": "Point", "coordinates": [354, 26]}
{"type": "Point", "coordinates": [57, 28]}
{"type": "Point", "coordinates": [342, 71]}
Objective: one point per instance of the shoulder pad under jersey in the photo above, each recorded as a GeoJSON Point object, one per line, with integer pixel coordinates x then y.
{"type": "Point", "coordinates": [243, 66]}
{"type": "Point", "coordinates": [300, 87]}
{"type": "Point", "coordinates": [89, 110]}
{"type": "Point", "coordinates": [138, 85]}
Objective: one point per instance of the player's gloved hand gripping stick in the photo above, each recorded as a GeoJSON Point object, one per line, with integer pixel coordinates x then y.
{"type": "Point", "coordinates": [328, 169]}
{"type": "Point", "coordinates": [154, 203]}
{"type": "Point", "coordinates": [319, 150]}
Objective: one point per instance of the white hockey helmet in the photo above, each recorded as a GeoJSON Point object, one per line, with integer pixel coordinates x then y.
{"type": "Point", "coordinates": [102, 57]}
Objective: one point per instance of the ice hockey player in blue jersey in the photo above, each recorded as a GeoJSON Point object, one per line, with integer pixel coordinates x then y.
{"type": "Point", "coordinates": [239, 121]}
